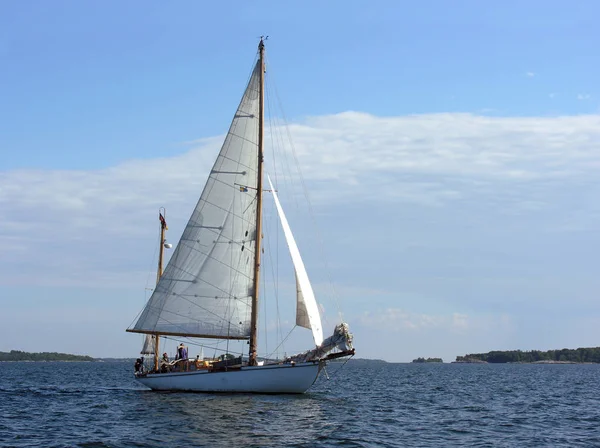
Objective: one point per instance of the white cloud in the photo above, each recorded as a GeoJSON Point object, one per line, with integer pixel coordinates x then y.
{"type": "Point", "coordinates": [400, 320]}
{"type": "Point", "coordinates": [460, 321]}
{"type": "Point", "coordinates": [436, 335]}
{"type": "Point", "coordinates": [445, 223]}
{"type": "Point", "coordinates": [530, 74]}
{"type": "Point", "coordinates": [397, 319]}
{"type": "Point", "coordinates": [583, 96]}
{"type": "Point", "coordinates": [88, 227]}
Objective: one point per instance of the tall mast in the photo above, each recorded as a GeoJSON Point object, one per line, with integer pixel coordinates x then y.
{"type": "Point", "coordinates": [261, 111]}
{"type": "Point", "coordinates": [163, 228]}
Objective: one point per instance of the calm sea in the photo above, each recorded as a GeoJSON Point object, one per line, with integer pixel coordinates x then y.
{"type": "Point", "coordinates": [374, 405]}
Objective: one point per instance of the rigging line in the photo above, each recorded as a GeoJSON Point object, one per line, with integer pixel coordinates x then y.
{"type": "Point", "coordinates": [186, 316]}
{"type": "Point", "coordinates": [252, 202]}
{"type": "Point", "coordinates": [241, 299]}
{"type": "Point", "coordinates": [311, 212]}
{"type": "Point", "coordinates": [287, 174]}
{"type": "Point", "coordinates": [146, 298]}
{"type": "Point", "coordinates": [272, 129]}
{"type": "Point", "coordinates": [227, 307]}
{"type": "Point", "coordinates": [252, 68]}
{"type": "Point", "coordinates": [282, 342]}
{"type": "Point", "coordinates": [192, 342]}
{"type": "Point", "coordinates": [211, 257]}
{"type": "Point", "coordinates": [288, 177]}
{"type": "Point", "coordinates": [234, 267]}
{"type": "Point", "coordinates": [213, 229]}
{"type": "Point", "coordinates": [241, 137]}
{"type": "Point", "coordinates": [276, 289]}
{"type": "Point", "coordinates": [273, 273]}
{"type": "Point", "coordinates": [275, 130]}
{"type": "Point", "coordinates": [341, 367]}
{"type": "Point", "coordinates": [236, 217]}
{"type": "Point", "coordinates": [153, 261]}
{"type": "Point", "coordinates": [204, 201]}
{"type": "Point", "coordinates": [264, 288]}
{"type": "Point", "coordinates": [138, 315]}
{"type": "Point", "coordinates": [246, 88]}
{"type": "Point", "coordinates": [213, 346]}
{"type": "Point", "coordinates": [198, 344]}
{"type": "Point", "coordinates": [226, 145]}
{"type": "Point", "coordinates": [224, 183]}
{"type": "Point", "coordinates": [173, 280]}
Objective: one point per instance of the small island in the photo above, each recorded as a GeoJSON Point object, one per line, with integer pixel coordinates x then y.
{"type": "Point", "coordinates": [17, 355]}
{"type": "Point", "coordinates": [362, 361]}
{"type": "Point", "coordinates": [419, 360]}
{"type": "Point", "coordinates": [563, 356]}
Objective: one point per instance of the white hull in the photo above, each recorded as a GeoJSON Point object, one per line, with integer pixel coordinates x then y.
{"type": "Point", "coordinates": [278, 378]}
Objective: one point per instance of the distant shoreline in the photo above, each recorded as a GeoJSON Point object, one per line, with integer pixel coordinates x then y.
{"type": "Point", "coordinates": [48, 360]}
{"type": "Point", "coordinates": [20, 356]}
{"type": "Point", "coordinates": [582, 355]}
{"type": "Point", "coordinates": [524, 362]}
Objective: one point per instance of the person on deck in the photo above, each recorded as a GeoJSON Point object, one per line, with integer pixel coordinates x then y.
{"type": "Point", "coordinates": [139, 365]}
{"type": "Point", "coordinates": [182, 356]}
{"type": "Point", "coordinates": [165, 365]}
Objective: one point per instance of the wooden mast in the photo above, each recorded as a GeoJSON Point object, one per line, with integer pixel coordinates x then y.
{"type": "Point", "coordinates": [163, 228]}
{"type": "Point", "coordinates": [254, 315]}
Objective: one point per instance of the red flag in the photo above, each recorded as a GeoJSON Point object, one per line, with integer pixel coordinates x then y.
{"type": "Point", "coordinates": [162, 221]}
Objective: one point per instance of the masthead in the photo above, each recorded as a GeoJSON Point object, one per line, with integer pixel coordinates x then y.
{"type": "Point", "coordinates": [261, 44]}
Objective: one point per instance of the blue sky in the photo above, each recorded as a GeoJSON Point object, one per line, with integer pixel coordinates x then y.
{"type": "Point", "coordinates": [451, 151]}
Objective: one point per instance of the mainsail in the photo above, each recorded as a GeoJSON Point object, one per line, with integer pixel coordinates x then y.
{"type": "Point", "coordinates": [206, 288]}
{"type": "Point", "coordinates": [306, 304]}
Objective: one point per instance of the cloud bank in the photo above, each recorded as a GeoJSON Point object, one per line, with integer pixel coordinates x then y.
{"type": "Point", "coordinates": [429, 160]}
{"type": "Point", "coordinates": [451, 210]}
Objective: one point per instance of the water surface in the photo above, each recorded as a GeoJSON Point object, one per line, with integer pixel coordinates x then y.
{"type": "Point", "coordinates": [376, 405]}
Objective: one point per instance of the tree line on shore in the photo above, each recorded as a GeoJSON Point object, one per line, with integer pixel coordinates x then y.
{"type": "Point", "coordinates": [17, 355]}
{"type": "Point", "coordinates": [591, 354]}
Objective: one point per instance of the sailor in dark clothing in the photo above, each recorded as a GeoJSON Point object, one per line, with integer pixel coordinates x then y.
{"type": "Point", "coordinates": [139, 365]}
{"type": "Point", "coordinates": [182, 353]}
{"type": "Point", "coordinates": [165, 365]}
{"type": "Point", "coordinates": [182, 356]}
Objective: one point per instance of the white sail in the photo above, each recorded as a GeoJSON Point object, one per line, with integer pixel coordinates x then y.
{"type": "Point", "coordinates": [148, 348]}
{"type": "Point", "coordinates": [306, 303]}
{"type": "Point", "coordinates": [302, 319]}
{"type": "Point", "coordinates": [206, 288]}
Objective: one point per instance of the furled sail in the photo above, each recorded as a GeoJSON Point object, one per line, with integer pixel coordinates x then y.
{"type": "Point", "coordinates": [306, 304]}
{"type": "Point", "coordinates": [206, 288]}
{"type": "Point", "coordinates": [340, 339]}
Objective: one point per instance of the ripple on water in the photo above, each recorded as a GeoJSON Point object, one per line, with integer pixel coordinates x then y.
{"type": "Point", "coordinates": [377, 405]}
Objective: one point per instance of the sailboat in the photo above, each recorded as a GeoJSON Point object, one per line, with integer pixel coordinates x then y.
{"type": "Point", "coordinates": [210, 286]}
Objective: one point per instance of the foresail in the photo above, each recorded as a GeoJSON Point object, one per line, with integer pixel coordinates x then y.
{"type": "Point", "coordinates": [206, 287]}
{"type": "Point", "coordinates": [302, 319]}
{"type": "Point", "coordinates": [306, 302]}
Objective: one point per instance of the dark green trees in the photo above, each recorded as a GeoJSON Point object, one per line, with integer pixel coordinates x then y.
{"type": "Point", "coordinates": [571, 355]}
